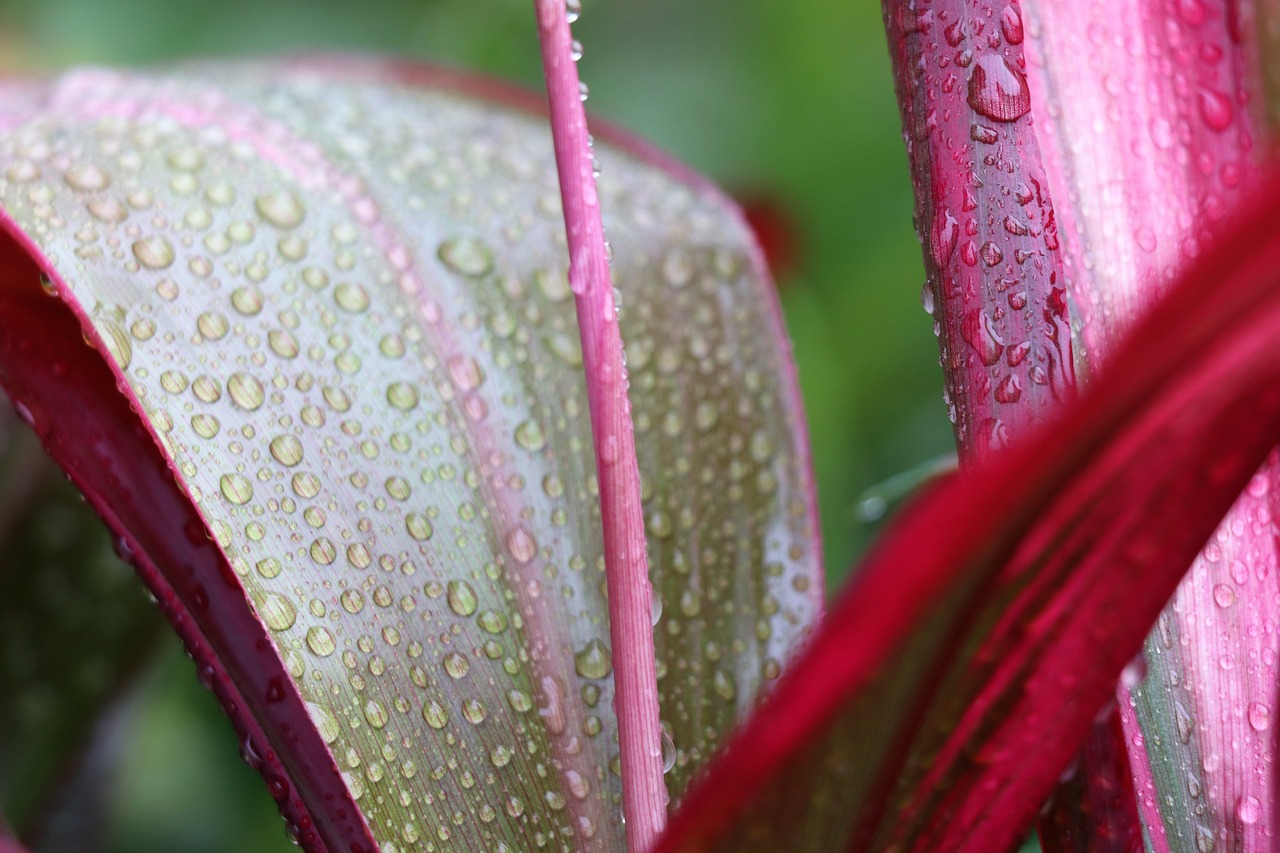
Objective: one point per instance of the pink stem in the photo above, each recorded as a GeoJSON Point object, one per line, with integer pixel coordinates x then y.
{"type": "Point", "coordinates": [644, 794]}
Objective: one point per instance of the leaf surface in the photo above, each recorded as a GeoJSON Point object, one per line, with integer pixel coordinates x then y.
{"type": "Point", "coordinates": [1149, 189]}
{"type": "Point", "coordinates": [335, 292]}
{"type": "Point", "coordinates": [1003, 604]}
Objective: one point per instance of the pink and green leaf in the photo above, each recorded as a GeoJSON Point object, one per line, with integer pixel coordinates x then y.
{"type": "Point", "coordinates": [1153, 150]}
{"type": "Point", "coordinates": [1003, 605]}
{"type": "Point", "coordinates": [352, 457]}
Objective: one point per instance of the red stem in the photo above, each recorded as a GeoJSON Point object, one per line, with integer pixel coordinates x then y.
{"type": "Point", "coordinates": [644, 794]}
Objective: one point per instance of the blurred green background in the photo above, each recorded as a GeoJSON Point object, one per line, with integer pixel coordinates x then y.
{"type": "Point", "coordinates": [790, 102]}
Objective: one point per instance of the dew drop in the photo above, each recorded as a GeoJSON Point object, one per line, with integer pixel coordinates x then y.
{"type": "Point", "coordinates": [375, 713]}
{"type": "Point", "coordinates": [287, 450]}
{"type": "Point", "coordinates": [246, 391]}
{"type": "Point", "coordinates": [529, 436]}
{"type": "Point", "coordinates": [593, 661]}
{"type": "Point", "coordinates": [418, 526]}
{"type": "Point", "coordinates": [154, 252]}
{"type": "Point", "coordinates": [87, 177]}
{"type": "Point", "coordinates": [236, 488]}
{"type": "Point", "coordinates": [465, 372]}
{"type": "Point", "coordinates": [1249, 809]}
{"type": "Point", "coordinates": [998, 90]}
{"type": "Point", "coordinates": [402, 395]}
{"type": "Point", "coordinates": [326, 724]}
{"type": "Point", "coordinates": [435, 715]}
{"type": "Point", "coordinates": [466, 256]}
{"type": "Point", "coordinates": [277, 612]}
{"type": "Point", "coordinates": [457, 665]}
{"type": "Point", "coordinates": [321, 642]}
{"type": "Point", "coordinates": [1259, 716]}
{"type": "Point", "coordinates": [281, 208]}
{"type": "Point", "coordinates": [351, 297]}
{"type": "Point", "coordinates": [522, 545]}
{"type": "Point", "coordinates": [461, 598]}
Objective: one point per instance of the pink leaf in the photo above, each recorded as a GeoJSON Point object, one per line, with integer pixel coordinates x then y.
{"type": "Point", "coordinates": [959, 674]}
{"type": "Point", "coordinates": [1150, 186]}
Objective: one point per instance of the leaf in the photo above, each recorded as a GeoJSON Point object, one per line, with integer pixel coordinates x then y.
{"type": "Point", "coordinates": [74, 630]}
{"type": "Point", "coordinates": [985, 218]}
{"type": "Point", "coordinates": [629, 592]}
{"type": "Point", "coordinates": [996, 286]}
{"type": "Point", "coordinates": [335, 292]}
{"type": "Point", "coordinates": [1150, 188]}
{"type": "Point", "coordinates": [958, 675]}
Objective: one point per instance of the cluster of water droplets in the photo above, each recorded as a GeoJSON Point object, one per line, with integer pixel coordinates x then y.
{"type": "Point", "coordinates": [986, 219]}
{"type": "Point", "coordinates": [358, 348]}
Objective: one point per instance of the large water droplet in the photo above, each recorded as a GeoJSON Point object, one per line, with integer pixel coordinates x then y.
{"type": "Point", "coordinates": [998, 90]}
{"type": "Point", "coordinates": [593, 661]}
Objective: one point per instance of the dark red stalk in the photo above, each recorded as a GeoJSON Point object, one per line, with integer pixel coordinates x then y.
{"type": "Point", "coordinates": [986, 220]}
{"type": "Point", "coordinates": [984, 216]}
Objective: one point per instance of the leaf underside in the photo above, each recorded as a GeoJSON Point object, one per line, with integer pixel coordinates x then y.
{"type": "Point", "coordinates": [334, 292]}
{"type": "Point", "coordinates": [958, 675]}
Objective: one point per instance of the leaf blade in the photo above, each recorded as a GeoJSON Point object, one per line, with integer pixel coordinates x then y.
{"type": "Point", "coordinates": [486, 338]}
{"type": "Point", "coordinates": [979, 791]}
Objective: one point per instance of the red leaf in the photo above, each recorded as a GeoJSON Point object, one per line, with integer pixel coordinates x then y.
{"type": "Point", "coordinates": [962, 669]}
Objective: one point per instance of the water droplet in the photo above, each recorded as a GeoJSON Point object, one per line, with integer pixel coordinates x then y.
{"type": "Point", "coordinates": [1215, 109]}
{"type": "Point", "coordinates": [465, 372]}
{"type": "Point", "coordinates": [1249, 809]}
{"type": "Point", "coordinates": [593, 661]}
{"type": "Point", "coordinates": [1259, 716]}
{"type": "Point", "coordinates": [474, 711]}
{"type": "Point", "coordinates": [1224, 595]}
{"type": "Point", "coordinates": [375, 713]}
{"type": "Point", "coordinates": [351, 297]}
{"type": "Point", "coordinates": [418, 526]}
{"type": "Point", "coordinates": [522, 545]}
{"type": "Point", "coordinates": [668, 751]}
{"type": "Point", "coordinates": [281, 208]}
{"type": "Point", "coordinates": [236, 488]}
{"type": "Point", "coordinates": [466, 256]}
{"type": "Point", "coordinates": [154, 252]}
{"type": "Point", "coordinates": [287, 450]}
{"type": "Point", "coordinates": [573, 10]}
{"type": "Point", "coordinates": [246, 391]}
{"type": "Point", "coordinates": [998, 90]}
{"type": "Point", "coordinates": [529, 436]}
{"type": "Point", "coordinates": [435, 715]}
{"type": "Point", "coordinates": [326, 724]}
{"type": "Point", "coordinates": [402, 395]}
{"type": "Point", "coordinates": [462, 598]}
{"type": "Point", "coordinates": [457, 665]}
{"type": "Point", "coordinates": [321, 642]}
{"type": "Point", "coordinates": [1011, 24]}
{"type": "Point", "coordinates": [277, 612]}
{"type": "Point", "coordinates": [87, 177]}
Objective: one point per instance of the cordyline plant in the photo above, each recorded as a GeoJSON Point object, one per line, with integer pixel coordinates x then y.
{"type": "Point", "coordinates": [333, 349]}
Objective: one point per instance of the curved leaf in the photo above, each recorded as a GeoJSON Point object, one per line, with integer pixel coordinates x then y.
{"type": "Point", "coordinates": [337, 297]}
{"type": "Point", "coordinates": [1003, 605]}
{"type": "Point", "coordinates": [1149, 188]}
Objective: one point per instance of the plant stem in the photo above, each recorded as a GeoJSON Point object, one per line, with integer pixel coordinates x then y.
{"type": "Point", "coordinates": [644, 794]}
